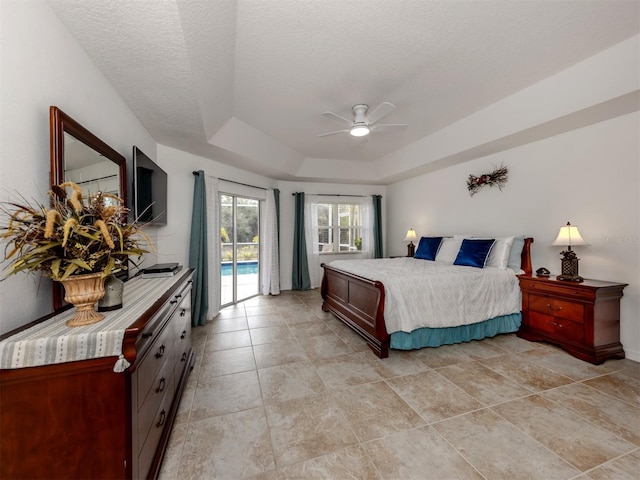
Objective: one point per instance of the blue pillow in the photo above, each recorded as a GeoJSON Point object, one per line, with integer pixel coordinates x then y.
{"type": "Point", "coordinates": [474, 252]}
{"type": "Point", "coordinates": [428, 248]}
{"type": "Point", "coordinates": [515, 256]}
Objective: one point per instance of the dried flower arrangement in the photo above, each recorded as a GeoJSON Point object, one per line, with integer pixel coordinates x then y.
{"type": "Point", "coordinates": [498, 178]}
{"type": "Point", "coordinates": [71, 236]}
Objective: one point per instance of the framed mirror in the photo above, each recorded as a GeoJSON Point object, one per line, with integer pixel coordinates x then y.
{"type": "Point", "coordinates": [77, 155]}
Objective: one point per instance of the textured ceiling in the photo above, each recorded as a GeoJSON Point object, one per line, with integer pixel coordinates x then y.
{"type": "Point", "coordinates": [245, 82]}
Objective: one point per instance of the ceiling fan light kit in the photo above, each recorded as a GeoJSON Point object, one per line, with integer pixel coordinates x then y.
{"type": "Point", "coordinates": [359, 130]}
{"type": "Point", "coordinates": [363, 124]}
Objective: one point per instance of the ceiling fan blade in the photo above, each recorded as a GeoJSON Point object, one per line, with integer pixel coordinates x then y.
{"type": "Point", "coordinates": [337, 117]}
{"type": "Point", "coordinates": [387, 126]}
{"type": "Point", "coordinates": [383, 109]}
{"type": "Point", "coordinates": [332, 133]}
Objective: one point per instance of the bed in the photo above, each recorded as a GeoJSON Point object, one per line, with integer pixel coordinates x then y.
{"type": "Point", "coordinates": [358, 300]}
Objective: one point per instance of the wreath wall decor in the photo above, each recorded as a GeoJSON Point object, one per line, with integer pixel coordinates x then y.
{"type": "Point", "coordinates": [496, 178]}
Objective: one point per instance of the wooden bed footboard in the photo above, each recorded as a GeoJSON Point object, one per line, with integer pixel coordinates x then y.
{"type": "Point", "coordinates": [359, 303]}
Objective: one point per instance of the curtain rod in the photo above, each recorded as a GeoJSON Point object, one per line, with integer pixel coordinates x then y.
{"type": "Point", "coordinates": [233, 181]}
{"type": "Point", "coordinates": [333, 195]}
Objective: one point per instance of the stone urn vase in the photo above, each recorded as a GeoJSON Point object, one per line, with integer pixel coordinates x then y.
{"type": "Point", "coordinates": [83, 292]}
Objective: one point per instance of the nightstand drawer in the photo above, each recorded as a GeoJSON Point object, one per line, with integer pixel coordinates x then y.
{"type": "Point", "coordinates": [566, 329]}
{"type": "Point", "coordinates": [561, 288]}
{"type": "Point", "coordinates": [557, 308]}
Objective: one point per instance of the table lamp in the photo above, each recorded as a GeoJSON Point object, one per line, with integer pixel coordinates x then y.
{"type": "Point", "coordinates": [411, 236]}
{"type": "Point", "coordinates": [570, 236]}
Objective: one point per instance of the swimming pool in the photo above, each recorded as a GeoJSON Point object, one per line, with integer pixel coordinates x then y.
{"type": "Point", "coordinates": [244, 268]}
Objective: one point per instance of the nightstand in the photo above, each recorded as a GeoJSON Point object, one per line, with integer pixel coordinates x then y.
{"type": "Point", "coordinates": [582, 318]}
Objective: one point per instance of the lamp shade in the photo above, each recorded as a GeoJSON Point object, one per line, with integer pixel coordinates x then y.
{"type": "Point", "coordinates": [411, 235]}
{"type": "Point", "coordinates": [569, 236]}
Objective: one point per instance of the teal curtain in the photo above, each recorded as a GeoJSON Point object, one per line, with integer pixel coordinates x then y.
{"type": "Point", "coordinates": [198, 252]}
{"type": "Point", "coordinates": [377, 226]}
{"type": "Point", "coordinates": [300, 279]}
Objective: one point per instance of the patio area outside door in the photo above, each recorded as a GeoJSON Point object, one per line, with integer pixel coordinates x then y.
{"type": "Point", "coordinates": [239, 248]}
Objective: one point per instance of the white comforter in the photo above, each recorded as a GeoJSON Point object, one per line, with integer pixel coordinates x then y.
{"type": "Point", "coordinates": [421, 293]}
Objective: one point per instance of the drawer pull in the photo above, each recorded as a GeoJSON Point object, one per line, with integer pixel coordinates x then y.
{"type": "Point", "coordinates": [179, 295]}
{"type": "Point", "coordinates": [555, 309]}
{"type": "Point", "coordinates": [184, 334]}
{"type": "Point", "coordinates": [555, 324]}
{"type": "Point", "coordinates": [183, 312]}
{"type": "Point", "coordinates": [160, 352]}
{"type": "Point", "coordinates": [147, 335]}
{"type": "Point", "coordinates": [163, 417]}
{"type": "Point", "coordinates": [184, 357]}
{"type": "Point", "coordinates": [173, 301]}
{"type": "Point", "coordinates": [163, 383]}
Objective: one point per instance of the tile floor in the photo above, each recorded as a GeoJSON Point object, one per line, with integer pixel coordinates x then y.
{"type": "Point", "coordinates": [282, 390]}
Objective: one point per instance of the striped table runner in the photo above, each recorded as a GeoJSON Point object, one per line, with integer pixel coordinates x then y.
{"type": "Point", "coordinates": [52, 341]}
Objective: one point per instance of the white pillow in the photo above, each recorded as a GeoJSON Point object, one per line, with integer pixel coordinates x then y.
{"type": "Point", "coordinates": [448, 250]}
{"type": "Point", "coordinates": [499, 256]}
{"type": "Point", "coordinates": [515, 257]}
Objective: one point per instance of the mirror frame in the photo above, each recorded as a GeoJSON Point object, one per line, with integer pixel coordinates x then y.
{"type": "Point", "coordinates": [61, 123]}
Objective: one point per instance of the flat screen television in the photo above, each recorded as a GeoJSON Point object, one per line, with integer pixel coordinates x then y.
{"type": "Point", "coordinates": [149, 190]}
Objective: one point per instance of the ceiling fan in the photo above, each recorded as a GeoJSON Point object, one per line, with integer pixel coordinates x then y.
{"type": "Point", "coordinates": [362, 122]}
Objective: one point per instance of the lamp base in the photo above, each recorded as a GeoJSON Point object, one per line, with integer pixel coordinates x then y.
{"type": "Point", "coordinates": [570, 278]}
{"type": "Point", "coordinates": [570, 268]}
{"type": "Point", "coordinates": [411, 250]}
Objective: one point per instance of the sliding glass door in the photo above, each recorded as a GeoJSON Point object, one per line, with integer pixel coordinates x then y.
{"type": "Point", "coordinates": [240, 248]}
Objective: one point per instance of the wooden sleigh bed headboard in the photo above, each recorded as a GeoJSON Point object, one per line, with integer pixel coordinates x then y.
{"type": "Point", "coordinates": [359, 302]}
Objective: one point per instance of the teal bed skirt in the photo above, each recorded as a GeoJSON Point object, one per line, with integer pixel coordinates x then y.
{"type": "Point", "coordinates": [434, 337]}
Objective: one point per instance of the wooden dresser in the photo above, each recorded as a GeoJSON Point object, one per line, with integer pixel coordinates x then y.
{"type": "Point", "coordinates": [582, 318]}
{"type": "Point", "coordinates": [81, 419]}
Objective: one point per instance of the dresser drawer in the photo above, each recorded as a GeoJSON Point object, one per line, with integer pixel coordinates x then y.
{"type": "Point", "coordinates": [182, 318]}
{"type": "Point", "coordinates": [163, 385]}
{"type": "Point", "coordinates": [156, 426]}
{"type": "Point", "coordinates": [153, 329]}
{"type": "Point", "coordinates": [182, 349]}
{"type": "Point", "coordinates": [160, 352]}
{"type": "Point", "coordinates": [560, 329]}
{"type": "Point", "coordinates": [148, 414]}
{"type": "Point", "coordinates": [557, 308]}
{"type": "Point", "coordinates": [182, 322]}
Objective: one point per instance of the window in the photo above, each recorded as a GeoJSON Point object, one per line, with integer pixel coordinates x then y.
{"type": "Point", "coordinates": [335, 225]}
{"type": "Point", "coordinates": [340, 227]}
